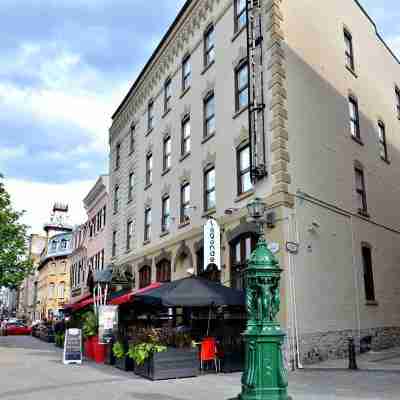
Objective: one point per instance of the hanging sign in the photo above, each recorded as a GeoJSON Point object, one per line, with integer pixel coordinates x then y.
{"type": "Point", "coordinates": [72, 346]}
{"type": "Point", "coordinates": [108, 323]}
{"type": "Point", "coordinates": [212, 247]}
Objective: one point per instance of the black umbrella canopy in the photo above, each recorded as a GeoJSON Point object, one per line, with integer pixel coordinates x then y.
{"type": "Point", "coordinates": [193, 292]}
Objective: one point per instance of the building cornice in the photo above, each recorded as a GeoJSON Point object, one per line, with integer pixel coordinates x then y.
{"type": "Point", "coordinates": [174, 44]}
{"type": "Point", "coordinates": [99, 188]}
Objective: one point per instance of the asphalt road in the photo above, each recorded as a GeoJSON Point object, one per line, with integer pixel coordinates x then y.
{"type": "Point", "coordinates": [32, 370]}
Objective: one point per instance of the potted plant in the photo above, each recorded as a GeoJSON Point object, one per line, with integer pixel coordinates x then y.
{"type": "Point", "coordinates": [122, 361]}
{"type": "Point", "coordinates": [93, 349]}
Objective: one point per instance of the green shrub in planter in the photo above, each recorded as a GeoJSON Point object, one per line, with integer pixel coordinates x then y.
{"type": "Point", "coordinates": [142, 351]}
{"type": "Point", "coordinates": [90, 325]}
{"type": "Point", "coordinates": [118, 350]}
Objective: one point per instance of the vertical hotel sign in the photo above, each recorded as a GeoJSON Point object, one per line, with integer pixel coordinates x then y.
{"type": "Point", "coordinates": [212, 246]}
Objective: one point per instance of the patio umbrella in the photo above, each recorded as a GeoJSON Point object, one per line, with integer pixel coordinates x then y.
{"type": "Point", "coordinates": [193, 292]}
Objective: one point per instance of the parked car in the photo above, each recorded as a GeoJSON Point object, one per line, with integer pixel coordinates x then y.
{"type": "Point", "coordinates": [17, 328]}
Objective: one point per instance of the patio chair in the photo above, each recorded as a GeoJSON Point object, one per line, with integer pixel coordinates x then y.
{"type": "Point", "coordinates": [208, 352]}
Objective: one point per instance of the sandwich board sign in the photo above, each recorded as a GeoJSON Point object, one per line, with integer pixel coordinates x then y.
{"type": "Point", "coordinates": [212, 248]}
{"type": "Point", "coordinates": [72, 346]}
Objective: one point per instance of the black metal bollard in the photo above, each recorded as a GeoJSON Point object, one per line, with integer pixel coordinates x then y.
{"type": "Point", "coordinates": [352, 354]}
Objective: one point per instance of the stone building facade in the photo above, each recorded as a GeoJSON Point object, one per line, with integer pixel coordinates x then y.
{"type": "Point", "coordinates": [53, 276]}
{"type": "Point", "coordinates": [179, 153]}
{"type": "Point", "coordinates": [28, 289]}
{"type": "Point", "coordinates": [89, 240]}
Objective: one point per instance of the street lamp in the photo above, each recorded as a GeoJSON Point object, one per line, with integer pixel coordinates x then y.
{"type": "Point", "coordinates": [264, 376]}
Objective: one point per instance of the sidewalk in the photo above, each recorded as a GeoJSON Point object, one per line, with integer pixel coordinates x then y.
{"type": "Point", "coordinates": [385, 360]}
{"type": "Point", "coordinates": [32, 370]}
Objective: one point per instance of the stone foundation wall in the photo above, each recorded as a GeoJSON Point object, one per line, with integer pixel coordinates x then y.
{"type": "Point", "coordinates": [323, 346]}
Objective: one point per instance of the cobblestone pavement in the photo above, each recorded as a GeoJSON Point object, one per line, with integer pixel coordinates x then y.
{"type": "Point", "coordinates": [32, 370]}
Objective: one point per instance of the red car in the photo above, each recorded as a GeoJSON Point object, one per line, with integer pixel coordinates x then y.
{"type": "Point", "coordinates": [18, 329]}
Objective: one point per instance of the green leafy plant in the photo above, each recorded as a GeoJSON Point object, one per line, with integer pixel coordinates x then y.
{"type": "Point", "coordinates": [90, 324]}
{"type": "Point", "coordinates": [118, 350]}
{"type": "Point", "coordinates": [142, 351]}
{"type": "Point", "coordinates": [14, 265]}
{"type": "Point", "coordinates": [59, 339]}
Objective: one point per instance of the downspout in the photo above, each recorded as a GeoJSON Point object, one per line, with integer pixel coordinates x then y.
{"type": "Point", "coordinates": [356, 286]}
{"type": "Point", "coordinates": [299, 364]}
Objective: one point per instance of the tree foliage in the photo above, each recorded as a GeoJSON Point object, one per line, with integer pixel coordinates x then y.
{"type": "Point", "coordinates": [14, 263]}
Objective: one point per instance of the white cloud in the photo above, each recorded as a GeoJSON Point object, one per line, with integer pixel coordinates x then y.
{"type": "Point", "coordinates": [38, 199]}
{"type": "Point", "coordinates": [69, 91]}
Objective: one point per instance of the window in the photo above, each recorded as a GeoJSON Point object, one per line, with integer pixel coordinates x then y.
{"type": "Point", "coordinates": [167, 95]}
{"type": "Point", "coordinates": [147, 224]}
{"type": "Point", "coordinates": [114, 244]}
{"type": "Point", "coordinates": [360, 190]}
{"type": "Point", "coordinates": [94, 225]}
{"type": "Point", "coordinates": [163, 271]}
{"type": "Point", "coordinates": [240, 14]}
{"type": "Point", "coordinates": [397, 92]}
{"type": "Point", "coordinates": [368, 273]}
{"type": "Point", "coordinates": [104, 215]}
{"type": "Point", "coordinates": [209, 189]}
{"type": "Point", "coordinates": [149, 168]}
{"type": "Point", "coordinates": [185, 202]}
{"type": "Point", "coordinates": [382, 141]}
{"type": "Point", "coordinates": [131, 184]}
{"type": "Point", "coordinates": [51, 291]}
{"type": "Point", "coordinates": [209, 50]}
{"type": "Point", "coordinates": [167, 153]}
{"type": "Point", "coordinates": [144, 276]}
{"type": "Point", "coordinates": [165, 214]}
{"type": "Point", "coordinates": [354, 118]}
{"type": "Point", "coordinates": [102, 259]}
{"type": "Point", "coordinates": [63, 244]}
{"type": "Point", "coordinates": [185, 147]}
{"type": "Point", "coordinates": [129, 231]}
{"type": "Point", "coordinates": [186, 73]}
{"type": "Point", "coordinates": [240, 251]}
{"type": "Point", "coordinates": [117, 155]}
{"type": "Point", "coordinates": [116, 199]}
{"type": "Point", "coordinates": [132, 139]}
{"type": "Point", "coordinates": [348, 40]}
{"type": "Point", "coordinates": [54, 244]}
{"type": "Point", "coordinates": [241, 86]}
{"type": "Point", "coordinates": [150, 116]}
{"type": "Point", "coordinates": [61, 288]}
{"type": "Point", "coordinates": [243, 170]}
{"type": "Point", "coordinates": [209, 115]}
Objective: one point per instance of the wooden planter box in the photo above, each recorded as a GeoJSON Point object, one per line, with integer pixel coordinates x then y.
{"type": "Point", "coordinates": [171, 364]}
{"type": "Point", "coordinates": [125, 363]}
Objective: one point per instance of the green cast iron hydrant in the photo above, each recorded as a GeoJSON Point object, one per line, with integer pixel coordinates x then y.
{"type": "Point", "coordinates": [265, 376]}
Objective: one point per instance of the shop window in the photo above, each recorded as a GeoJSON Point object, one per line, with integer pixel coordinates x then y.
{"type": "Point", "coordinates": [240, 251]}
{"type": "Point", "coordinates": [163, 270]}
{"type": "Point", "coordinates": [144, 276]}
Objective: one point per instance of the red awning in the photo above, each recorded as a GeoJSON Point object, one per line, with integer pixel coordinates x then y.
{"type": "Point", "coordinates": [127, 297]}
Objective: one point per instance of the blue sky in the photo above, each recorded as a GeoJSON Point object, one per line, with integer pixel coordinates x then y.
{"type": "Point", "coordinates": [64, 67]}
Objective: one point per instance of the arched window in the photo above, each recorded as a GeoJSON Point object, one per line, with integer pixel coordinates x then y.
{"type": "Point", "coordinates": [144, 276]}
{"type": "Point", "coordinates": [240, 250]}
{"type": "Point", "coordinates": [163, 271]}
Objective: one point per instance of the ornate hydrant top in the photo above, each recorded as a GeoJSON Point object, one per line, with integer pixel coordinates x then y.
{"type": "Point", "coordinates": [262, 287]}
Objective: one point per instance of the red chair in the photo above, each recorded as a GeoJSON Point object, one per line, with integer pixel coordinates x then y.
{"type": "Point", "coordinates": [208, 352]}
